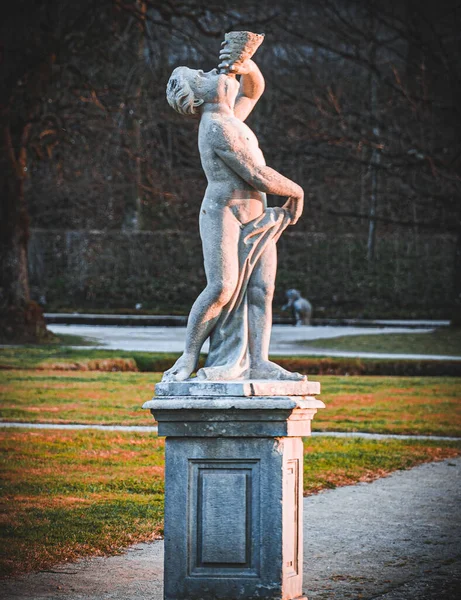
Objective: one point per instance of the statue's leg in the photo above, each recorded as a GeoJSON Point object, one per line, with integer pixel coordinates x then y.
{"type": "Point", "coordinates": [260, 294]}
{"type": "Point", "coordinates": [220, 231]}
{"type": "Point", "coordinates": [299, 318]}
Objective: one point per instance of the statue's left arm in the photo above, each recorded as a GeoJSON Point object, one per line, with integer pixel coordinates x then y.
{"type": "Point", "coordinates": [251, 88]}
{"type": "Point", "coordinates": [234, 148]}
{"type": "Point", "coordinates": [251, 83]}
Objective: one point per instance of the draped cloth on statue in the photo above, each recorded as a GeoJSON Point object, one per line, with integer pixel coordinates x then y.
{"type": "Point", "coordinates": [228, 357]}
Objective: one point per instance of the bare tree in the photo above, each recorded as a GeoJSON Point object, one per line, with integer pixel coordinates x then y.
{"type": "Point", "coordinates": [404, 120]}
{"type": "Point", "coordinates": [68, 41]}
{"type": "Point", "coordinates": [359, 93]}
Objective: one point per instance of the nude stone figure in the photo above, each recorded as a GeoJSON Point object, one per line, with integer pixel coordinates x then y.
{"type": "Point", "coordinates": [238, 230]}
{"type": "Point", "coordinates": [300, 307]}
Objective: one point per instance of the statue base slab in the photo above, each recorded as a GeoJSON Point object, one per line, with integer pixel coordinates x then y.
{"type": "Point", "coordinates": [250, 387]}
{"type": "Point", "coordinates": [234, 490]}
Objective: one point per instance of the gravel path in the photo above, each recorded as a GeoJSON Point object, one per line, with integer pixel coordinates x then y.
{"type": "Point", "coordinates": [153, 428]}
{"type": "Point", "coordinates": [397, 538]}
{"type": "Point", "coordinates": [284, 340]}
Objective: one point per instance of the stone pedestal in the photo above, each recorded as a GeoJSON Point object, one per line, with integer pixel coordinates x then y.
{"type": "Point", "coordinates": [233, 487]}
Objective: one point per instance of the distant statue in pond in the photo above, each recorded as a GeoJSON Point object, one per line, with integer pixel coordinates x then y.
{"type": "Point", "coordinates": [300, 307]}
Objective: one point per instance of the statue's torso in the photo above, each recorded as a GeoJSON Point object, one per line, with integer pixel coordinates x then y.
{"type": "Point", "coordinates": [226, 189]}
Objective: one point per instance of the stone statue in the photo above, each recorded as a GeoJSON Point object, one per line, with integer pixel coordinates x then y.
{"type": "Point", "coordinates": [300, 307]}
{"type": "Point", "coordinates": [238, 231]}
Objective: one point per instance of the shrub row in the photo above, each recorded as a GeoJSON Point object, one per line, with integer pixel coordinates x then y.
{"type": "Point", "coordinates": [411, 277]}
{"type": "Point", "coordinates": [308, 366]}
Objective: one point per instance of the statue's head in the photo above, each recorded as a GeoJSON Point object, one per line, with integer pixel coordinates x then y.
{"type": "Point", "coordinates": [187, 89]}
{"type": "Point", "coordinates": [292, 294]}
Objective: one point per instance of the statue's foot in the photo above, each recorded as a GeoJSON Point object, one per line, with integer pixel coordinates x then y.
{"type": "Point", "coordinates": [269, 370]}
{"type": "Point", "coordinates": [181, 370]}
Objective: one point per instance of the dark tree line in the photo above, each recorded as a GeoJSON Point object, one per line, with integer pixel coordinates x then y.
{"type": "Point", "coordinates": [362, 108]}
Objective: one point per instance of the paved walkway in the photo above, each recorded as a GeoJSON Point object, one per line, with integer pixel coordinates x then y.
{"type": "Point", "coordinates": [397, 538]}
{"type": "Point", "coordinates": [177, 320]}
{"type": "Point", "coordinates": [285, 339]}
{"type": "Point", "coordinates": [153, 429]}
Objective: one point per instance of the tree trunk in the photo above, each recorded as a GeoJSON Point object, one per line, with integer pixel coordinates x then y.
{"type": "Point", "coordinates": [137, 218]}
{"type": "Point", "coordinates": [21, 320]}
{"type": "Point", "coordinates": [375, 158]}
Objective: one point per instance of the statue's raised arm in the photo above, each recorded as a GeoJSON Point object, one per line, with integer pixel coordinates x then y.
{"type": "Point", "coordinates": [236, 50]}
{"type": "Point", "coordinates": [251, 88]}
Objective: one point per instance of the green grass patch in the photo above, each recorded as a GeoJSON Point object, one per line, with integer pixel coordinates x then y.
{"type": "Point", "coordinates": [67, 339]}
{"type": "Point", "coordinates": [69, 494]}
{"type": "Point", "coordinates": [333, 462]}
{"type": "Point", "coordinates": [405, 405]}
{"type": "Point", "coordinates": [398, 405]}
{"type": "Point", "coordinates": [76, 396]}
{"type": "Point", "coordinates": [444, 342]}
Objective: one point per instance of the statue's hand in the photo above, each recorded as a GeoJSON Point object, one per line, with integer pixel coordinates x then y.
{"type": "Point", "coordinates": [294, 207]}
{"type": "Point", "coordinates": [243, 68]}
{"type": "Point", "coordinates": [237, 67]}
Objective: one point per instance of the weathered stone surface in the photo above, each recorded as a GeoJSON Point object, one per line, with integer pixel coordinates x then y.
{"type": "Point", "coordinates": [252, 387]}
{"type": "Point", "coordinates": [261, 403]}
{"type": "Point", "coordinates": [233, 519]}
{"type": "Point", "coordinates": [239, 231]}
{"type": "Point", "coordinates": [238, 46]}
{"type": "Point", "coordinates": [223, 534]}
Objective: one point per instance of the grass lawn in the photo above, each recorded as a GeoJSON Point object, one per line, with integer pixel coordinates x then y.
{"type": "Point", "coordinates": [71, 494]}
{"type": "Point", "coordinates": [67, 494]}
{"type": "Point", "coordinates": [443, 342]}
{"type": "Point", "coordinates": [424, 405]}
{"type": "Point", "coordinates": [399, 405]}
{"type": "Point", "coordinates": [76, 397]}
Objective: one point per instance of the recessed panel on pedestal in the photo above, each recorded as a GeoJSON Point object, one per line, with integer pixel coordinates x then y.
{"type": "Point", "coordinates": [223, 517]}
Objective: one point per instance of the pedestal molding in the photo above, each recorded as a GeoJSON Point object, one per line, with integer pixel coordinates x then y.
{"type": "Point", "coordinates": [232, 402]}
